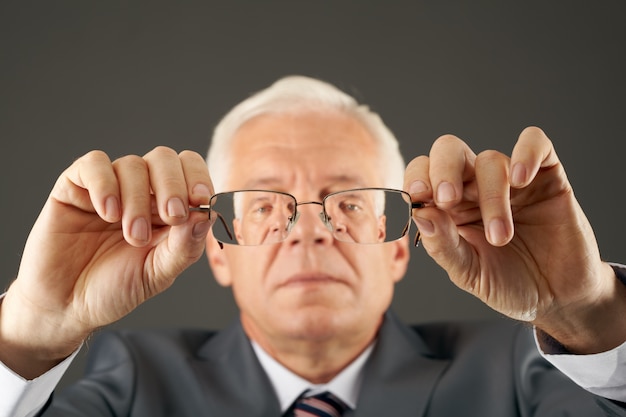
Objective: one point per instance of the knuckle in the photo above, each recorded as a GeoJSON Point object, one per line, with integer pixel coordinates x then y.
{"type": "Point", "coordinates": [95, 157]}
{"type": "Point", "coordinates": [489, 156]}
{"type": "Point", "coordinates": [417, 162]}
{"type": "Point", "coordinates": [533, 131]}
{"type": "Point", "coordinates": [491, 196]}
{"type": "Point", "coordinates": [490, 161]}
{"type": "Point", "coordinates": [187, 154]}
{"type": "Point", "coordinates": [130, 162]}
{"type": "Point", "coordinates": [534, 136]}
{"type": "Point", "coordinates": [161, 152]}
{"type": "Point", "coordinates": [172, 183]}
{"type": "Point", "coordinates": [417, 169]}
{"type": "Point", "coordinates": [446, 141]}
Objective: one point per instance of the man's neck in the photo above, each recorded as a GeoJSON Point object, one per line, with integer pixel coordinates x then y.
{"type": "Point", "coordinates": [317, 361]}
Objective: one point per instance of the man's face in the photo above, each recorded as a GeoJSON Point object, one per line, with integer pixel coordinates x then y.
{"type": "Point", "coordinates": [309, 287]}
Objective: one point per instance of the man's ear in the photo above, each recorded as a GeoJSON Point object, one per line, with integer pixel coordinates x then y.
{"type": "Point", "coordinates": [218, 261]}
{"type": "Point", "coordinates": [400, 254]}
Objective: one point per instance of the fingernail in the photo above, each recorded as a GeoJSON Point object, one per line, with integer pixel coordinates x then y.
{"type": "Point", "coordinates": [426, 227]}
{"type": "Point", "coordinates": [201, 229]}
{"type": "Point", "coordinates": [139, 230]}
{"type": "Point", "coordinates": [497, 232]}
{"type": "Point", "coordinates": [417, 187]}
{"type": "Point", "coordinates": [518, 175]}
{"type": "Point", "coordinates": [445, 193]}
{"type": "Point", "coordinates": [201, 190]}
{"type": "Point", "coordinates": [176, 208]}
{"type": "Point", "coordinates": [111, 208]}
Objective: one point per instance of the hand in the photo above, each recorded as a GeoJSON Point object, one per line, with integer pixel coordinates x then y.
{"type": "Point", "coordinates": [110, 236]}
{"type": "Point", "coordinates": [510, 232]}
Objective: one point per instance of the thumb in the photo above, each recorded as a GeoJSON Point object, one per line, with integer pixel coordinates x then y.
{"type": "Point", "coordinates": [180, 247]}
{"type": "Point", "coordinates": [441, 239]}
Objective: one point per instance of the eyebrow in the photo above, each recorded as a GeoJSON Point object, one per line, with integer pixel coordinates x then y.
{"type": "Point", "coordinates": [261, 182]}
{"type": "Point", "coordinates": [273, 182]}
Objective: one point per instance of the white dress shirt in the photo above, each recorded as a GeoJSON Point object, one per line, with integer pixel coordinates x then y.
{"type": "Point", "coordinates": [24, 398]}
{"type": "Point", "coordinates": [288, 386]}
{"type": "Point", "coordinates": [603, 374]}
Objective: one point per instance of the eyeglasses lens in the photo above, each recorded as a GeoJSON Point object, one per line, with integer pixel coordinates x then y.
{"type": "Point", "coordinates": [263, 217]}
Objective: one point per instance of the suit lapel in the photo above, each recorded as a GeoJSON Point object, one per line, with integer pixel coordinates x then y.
{"type": "Point", "coordinates": [234, 381]}
{"type": "Point", "coordinates": [401, 374]}
{"type": "Point", "coordinates": [398, 378]}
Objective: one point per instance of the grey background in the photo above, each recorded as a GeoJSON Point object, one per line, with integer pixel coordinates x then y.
{"type": "Point", "coordinates": [127, 76]}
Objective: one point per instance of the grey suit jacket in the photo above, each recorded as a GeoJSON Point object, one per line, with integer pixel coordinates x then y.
{"type": "Point", "coordinates": [444, 370]}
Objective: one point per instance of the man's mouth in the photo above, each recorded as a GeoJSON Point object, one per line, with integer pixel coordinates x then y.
{"type": "Point", "coordinates": [310, 279]}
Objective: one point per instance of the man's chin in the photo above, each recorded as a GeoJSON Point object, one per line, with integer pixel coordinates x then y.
{"type": "Point", "coordinates": [318, 322]}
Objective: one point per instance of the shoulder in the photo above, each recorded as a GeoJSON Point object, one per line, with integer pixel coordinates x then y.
{"type": "Point", "coordinates": [129, 346]}
{"type": "Point", "coordinates": [174, 338]}
{"type": "Point", "coordinates": [450, 339]}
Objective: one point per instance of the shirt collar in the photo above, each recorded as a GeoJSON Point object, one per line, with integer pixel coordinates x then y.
{"type": "Point", "coordinates": [288, 386]}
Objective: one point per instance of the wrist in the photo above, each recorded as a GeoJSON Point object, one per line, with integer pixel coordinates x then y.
{"type": "Point", "coordinates": [593, 325]}
{"type": "Point", "coordinates": [32, 343]}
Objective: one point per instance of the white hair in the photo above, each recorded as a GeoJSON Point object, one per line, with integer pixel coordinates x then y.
{"type": "Point", "coordinates": [299, 94]}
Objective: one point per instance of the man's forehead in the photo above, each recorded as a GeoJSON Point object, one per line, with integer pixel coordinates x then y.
{"type": "Point", "coordinates": [284, 171]}
{"type": "Point", "coordinates": [281, 151]}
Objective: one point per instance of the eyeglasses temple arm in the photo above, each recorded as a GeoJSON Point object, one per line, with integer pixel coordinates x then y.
{"type": "Point", "coordinates": [418, 235]}
{"type": "Point", "coordinates": [204, 208]}
{"type": "Point", "coordinates": [207, 209]}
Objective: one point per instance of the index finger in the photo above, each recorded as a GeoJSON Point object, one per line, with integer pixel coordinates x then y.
{"type": "Point", "coordinates": [178, 181]}
{"type": "Point", "coordinates": [199, 184]}
{"type": "Point", "coordinates": [451, 164]}
{"type": "Point", "coordinates": [416, 181]}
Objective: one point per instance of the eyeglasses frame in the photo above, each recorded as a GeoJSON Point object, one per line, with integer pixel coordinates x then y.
{"type": "Point", "coordinates": [323, 214]}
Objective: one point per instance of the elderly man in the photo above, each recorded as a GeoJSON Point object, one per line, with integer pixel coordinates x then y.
{"type": "Point", "coordinates": [310, 229]}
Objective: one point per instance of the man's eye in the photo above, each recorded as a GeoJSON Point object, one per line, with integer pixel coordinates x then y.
{"type": "Point", "coordinates": [263, 209]}
{"type": "Point", "coordinates": [349, 206]}
{"type": "Point", "coordinates": [260, 208]}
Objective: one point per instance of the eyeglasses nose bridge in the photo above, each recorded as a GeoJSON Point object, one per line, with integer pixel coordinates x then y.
{"type": "Point", "coordinates": [322, 215]}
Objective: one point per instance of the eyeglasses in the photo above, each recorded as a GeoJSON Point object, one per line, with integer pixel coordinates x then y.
{"type": "Point", "coordinates": [260, 217]}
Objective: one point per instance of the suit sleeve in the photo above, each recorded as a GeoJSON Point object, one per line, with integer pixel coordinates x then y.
{"type": "Point", "coordinates": [546, 391]}
{"type": "Point", "coordinates": [109, 390]}
{"type": "Point", "coordinates": [603, 374]}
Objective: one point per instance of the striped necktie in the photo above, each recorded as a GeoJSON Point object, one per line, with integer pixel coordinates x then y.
{"type": "Point", "coordinates": [324, 404]}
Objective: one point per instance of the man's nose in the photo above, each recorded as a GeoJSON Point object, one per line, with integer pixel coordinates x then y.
{"type": "Point", "coordinates": [309, 227]}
